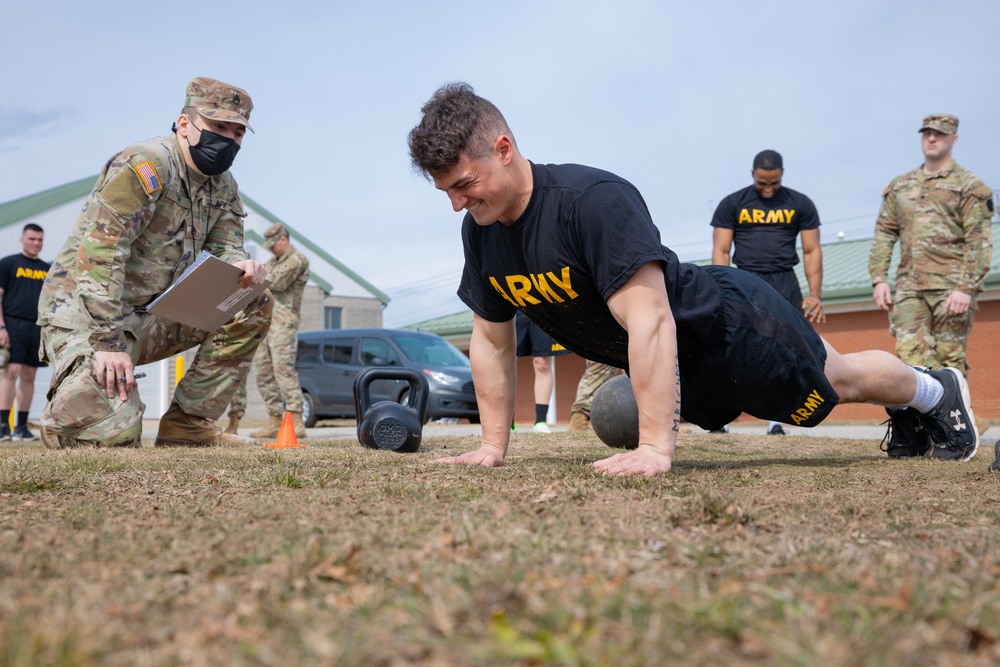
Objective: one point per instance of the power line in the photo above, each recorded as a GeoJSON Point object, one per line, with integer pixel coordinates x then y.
{"type": "Point", "coordinates": [425, 283]}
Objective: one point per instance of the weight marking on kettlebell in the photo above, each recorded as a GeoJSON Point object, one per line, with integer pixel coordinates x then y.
{"type": "Point", "coordinates": [390, 432]}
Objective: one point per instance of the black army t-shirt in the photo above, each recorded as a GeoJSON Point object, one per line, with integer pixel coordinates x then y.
{"type": "Point", "coordinates": [21, 279]}
{"type": "Point", "coordinates": [584, 233]}
{"type": "Point", "coordinates": [764, 230]}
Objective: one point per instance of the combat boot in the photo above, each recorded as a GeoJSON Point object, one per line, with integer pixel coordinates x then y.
{"type": "Point", "coordinates": [179, 429]}
{"type": "Point", "coordinates": [300, 427]}
{"type": "Point", "coordinates": [578, 422]}
{"type": "Point", "coordinates": [234, 424]}
{"type": "Point", "coordinates": [269, 431]}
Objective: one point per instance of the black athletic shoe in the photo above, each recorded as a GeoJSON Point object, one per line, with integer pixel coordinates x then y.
{"type": "Point", "coordinates": [4, 433]}
{"type": "Point", "coordinates": [777, 430]}
{"type": "Point", "coordinates": [951, 424]}
{"type": "Point", "coordinates": [906, 436]}
{"type": "Point", "coordinates": [21, 433]}
{"type": "Point", "coordinates": [996, 456]}
{"type": "Point", "coordinates": [724, 429]}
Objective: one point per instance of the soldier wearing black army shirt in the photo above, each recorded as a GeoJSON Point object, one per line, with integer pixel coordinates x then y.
{"type": "Point", "coordinates": [764, 221]}
{"type": "Point", "coordinates": [576, 250]}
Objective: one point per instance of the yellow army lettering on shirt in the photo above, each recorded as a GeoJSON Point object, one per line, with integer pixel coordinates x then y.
{"type": "Point", "coordinates": [31, 274]}
{"type": "Point", "coordinates": [813, 401]}
{"type": "Point", "coordinates": [546, 286]}
{"type": "Point", "coordinates": [756, 216]}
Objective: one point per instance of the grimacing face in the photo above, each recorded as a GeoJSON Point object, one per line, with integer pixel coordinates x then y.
{"type": "Point", "coordinates": [767, 182]}
{"type": "Point", "coordinates": [481, 187]}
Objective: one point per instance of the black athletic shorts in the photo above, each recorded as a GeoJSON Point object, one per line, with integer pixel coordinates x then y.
{"type": "Point", "coordinates": [785, 283]}
{"type": "Point", "coordinates": [25, 337]}
{"type": "Point", "coordinates": [533, 342]}
{"type": "Point", "coordinates": [761, 357]}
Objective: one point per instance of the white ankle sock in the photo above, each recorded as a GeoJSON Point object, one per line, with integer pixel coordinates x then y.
{"type": "Point", "coordinates": [929, 393]}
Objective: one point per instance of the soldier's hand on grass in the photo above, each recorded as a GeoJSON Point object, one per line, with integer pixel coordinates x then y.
{"type": "Point", "coordinates": [812, 308]}
{"type": "Point", "coordinates": [644, 460]}
{"type": "Point", "coordinates": [114, 372]}
{"type": "Point", "coordinates": [486, 456]}
{"type": "Point", "coordinates": [957, 303]}
{"type": "Point", "coordinates": [254, 272]}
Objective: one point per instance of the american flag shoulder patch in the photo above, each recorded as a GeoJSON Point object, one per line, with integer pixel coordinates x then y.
{"type": "Point", "coordinates": [147, 174]}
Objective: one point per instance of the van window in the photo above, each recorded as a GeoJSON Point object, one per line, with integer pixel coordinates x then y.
{"type": "Point", "coordinates": [430, 350]}
{"type": "Point", "coordinates": [377, 347]}
{"type": "Point", "coordinates": [338, 350]}
{"type": "Point", "coordinates": [308, 352]}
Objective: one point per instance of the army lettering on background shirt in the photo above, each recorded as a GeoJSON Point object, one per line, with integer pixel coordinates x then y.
{"type": "Point", "coordinates": [943, 225]}
{"type": "Point", "coordinates": [546, 266]}
{"type": "Point", "coordinates": [766, 228]}
{"type": "Point", "coordinates": [21, 280]}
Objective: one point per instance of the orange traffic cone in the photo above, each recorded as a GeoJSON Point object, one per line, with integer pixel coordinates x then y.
{"type": "Point", "coordinates": [286, 436]}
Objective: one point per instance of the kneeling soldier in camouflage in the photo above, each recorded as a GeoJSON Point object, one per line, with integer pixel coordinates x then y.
{"type": "Point", "coordinates": [155, 207]}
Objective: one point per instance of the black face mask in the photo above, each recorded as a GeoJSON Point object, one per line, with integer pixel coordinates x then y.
{"type": "Point", "coordinates": [214, 153]}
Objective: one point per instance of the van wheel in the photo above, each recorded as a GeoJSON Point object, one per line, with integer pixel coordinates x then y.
{"type": "Point", "coordinates": [308, 410]}
{"type": "Point", "coordinates": [404, 399]}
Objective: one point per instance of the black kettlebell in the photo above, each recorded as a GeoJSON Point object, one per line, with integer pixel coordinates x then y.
{"type": "Point", "coordinates": [387, 424]}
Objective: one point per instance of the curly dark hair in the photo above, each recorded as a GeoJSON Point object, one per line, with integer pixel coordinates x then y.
{"type": "Point", "coordinates": [455, 121]}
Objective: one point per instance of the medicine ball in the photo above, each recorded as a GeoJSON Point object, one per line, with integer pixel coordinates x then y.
{"type": "Point", "coordinates": [614, 414]}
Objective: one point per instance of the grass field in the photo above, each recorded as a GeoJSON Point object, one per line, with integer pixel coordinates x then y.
{"type": "Point", "coordinates": [755, 550]}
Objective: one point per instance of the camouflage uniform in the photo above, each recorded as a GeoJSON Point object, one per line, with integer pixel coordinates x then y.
{"type": "Point", "coordinates": [277, 380]}
{"type": "Point", "coordinates": [942, 223]}
{"type": "Point", "coordinates": [238, 406]}
{"type": "Point", "coordinates": [594, 375]}
{"type": "Point", "coordinates": [146, 220]}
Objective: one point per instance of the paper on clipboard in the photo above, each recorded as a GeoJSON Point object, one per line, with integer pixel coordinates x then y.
{"type": "Point", "coordinates": [207, 294]}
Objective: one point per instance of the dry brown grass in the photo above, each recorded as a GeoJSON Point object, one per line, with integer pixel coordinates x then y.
{"type": "Point", "coordinates": [754, 551]}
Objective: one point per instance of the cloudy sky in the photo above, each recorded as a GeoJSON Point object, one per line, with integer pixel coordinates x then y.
{"type": "Point", "coordinates": [675, 97]}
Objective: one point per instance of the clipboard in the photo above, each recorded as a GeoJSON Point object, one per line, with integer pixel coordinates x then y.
{"type": "Point", "coordinates": [206, 296]}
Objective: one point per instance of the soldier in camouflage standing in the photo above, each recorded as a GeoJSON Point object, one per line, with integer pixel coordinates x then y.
{"type": "Point", "coordinates": [277, 380]}
{"type": "Point", "coordinates": [940, 215]}
{"type": "Point", "coordinates": [155, 207]}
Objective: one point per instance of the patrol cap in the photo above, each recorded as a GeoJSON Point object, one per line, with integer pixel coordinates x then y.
{"type": "Point", "coordinates": [942, 122]}
{"type": "Point", "coordinates": [273, 233]}
{"type": "Point", "coordinates": [219, 101]}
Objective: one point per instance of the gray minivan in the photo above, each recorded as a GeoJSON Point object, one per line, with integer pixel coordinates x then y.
{"type": "Point", "coordinates": [328, 361]}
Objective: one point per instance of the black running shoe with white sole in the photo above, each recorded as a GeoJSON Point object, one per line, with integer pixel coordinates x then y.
{"type": "Point", "coordinates": [906, 436]}
{"type": "Point", "coordinates": [951, 424]}
{"type": "Point", "coordinates": [22, 434]}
